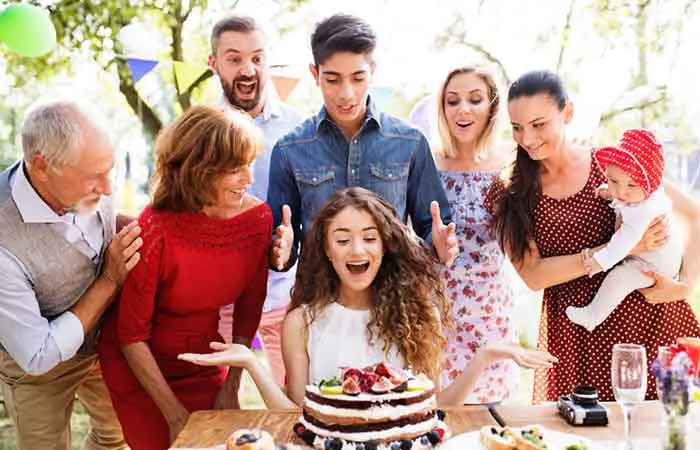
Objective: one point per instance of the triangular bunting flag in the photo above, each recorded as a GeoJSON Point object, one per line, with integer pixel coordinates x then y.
{"type": "Point", "coordinates": [284, 85]}
{"type": "Point", "coordinates": [186, 74]}
{"type": "Point", "coordinates": [140, 67]}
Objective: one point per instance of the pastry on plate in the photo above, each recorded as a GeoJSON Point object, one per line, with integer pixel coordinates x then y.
{"type": "Point", "coordinates": [250, 440]}
{"type": "Point", "coordinates": [497, 438]}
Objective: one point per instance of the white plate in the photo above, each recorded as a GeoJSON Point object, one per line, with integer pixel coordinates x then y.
{"type": "Point", "coordinates": [555, 440]}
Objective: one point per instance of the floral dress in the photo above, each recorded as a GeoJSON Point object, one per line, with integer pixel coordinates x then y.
{"type": "Point", "coordinates": [478, 285]}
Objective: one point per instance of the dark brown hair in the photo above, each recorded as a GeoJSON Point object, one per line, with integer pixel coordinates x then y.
{"type": "Point", "coordinates": [409, 308]}
{"type": "Point", "coordinates": [202, 145]}
{"type": "Point", "coordinates": [238, 24]}
{"type": "Point", "coordinates": [520, 186]}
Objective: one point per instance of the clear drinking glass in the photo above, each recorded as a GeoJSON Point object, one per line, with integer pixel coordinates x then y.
{"type": "Point", "coordinates": [629, 382]}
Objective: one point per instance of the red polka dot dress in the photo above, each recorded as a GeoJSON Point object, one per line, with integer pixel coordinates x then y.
{"type": "Point", "coordinates": [567, 226]}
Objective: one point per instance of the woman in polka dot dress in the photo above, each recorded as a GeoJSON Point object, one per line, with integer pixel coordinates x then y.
{"type": "Point", "coordinates": [546, 213]}
{"type": "Point", "coordinates": [477, 284]}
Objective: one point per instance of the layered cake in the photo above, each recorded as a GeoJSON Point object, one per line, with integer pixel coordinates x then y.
{"type": "Point", "coordinates": [375, 408]}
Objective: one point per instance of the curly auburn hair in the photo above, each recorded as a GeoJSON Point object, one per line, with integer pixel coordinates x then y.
{"type": "Point", "coordinates": [409, 308]}
{"type": "Point", "coordinates": [198, 148]}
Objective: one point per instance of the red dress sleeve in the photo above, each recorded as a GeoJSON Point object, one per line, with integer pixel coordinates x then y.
{"type": "Point", "coordinates": [138, 295]}
{"type": "Point", "coordinates": [248, 307]}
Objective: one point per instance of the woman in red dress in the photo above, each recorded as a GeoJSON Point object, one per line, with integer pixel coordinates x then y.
{"type": "Point", "coordinates": [205, 245]}
{"type": "Point", "coordinates": [546, 212]}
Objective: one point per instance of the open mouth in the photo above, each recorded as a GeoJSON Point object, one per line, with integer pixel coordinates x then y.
{"type": "Point", "coordinates": [346, 109]}
{"type": "Point", "coordinates": [238, 191]}
{"type": "Point", "coordinates": [464, 124]}
{"type": "Point", "coordinates": [357, 268]}
{"type": "Point", "coordinates": [246, 88]}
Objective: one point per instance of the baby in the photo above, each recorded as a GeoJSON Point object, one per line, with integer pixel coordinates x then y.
{"type": "Point", "coordinates": [634, 170]}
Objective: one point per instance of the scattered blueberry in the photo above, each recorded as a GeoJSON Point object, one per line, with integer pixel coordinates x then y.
{"type": "Point", "coordinates": [396, 446]}
{"type": "Point", "coordinates": [424, 440]}
{"type": "Point", "coordinates": [333, 444]}
{"type": "Point", "coordinates": [247, 438]}
{"type": "Point", "coordinates": [406, 444]}
{"type": "Point", "coordinates": [441, 415]}
{"type": "Point", "coordinates": [360, 447]}
{"type": "Point", "coordinates": [308, 437]}
{"type": "Point", "coordinates": [433, 437]}
{"type": "Point", "coordinates": [371, 445]}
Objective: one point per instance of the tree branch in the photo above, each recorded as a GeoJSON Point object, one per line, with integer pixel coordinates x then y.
{"type": "Point", "coordinates": [490, 57]}
{"type": "Point", "coordinates": [565, 35]}
{"type": "Point", "coordinates": [640, 105]}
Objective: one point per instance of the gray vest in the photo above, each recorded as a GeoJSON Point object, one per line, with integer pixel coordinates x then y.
{"type": "Point", "coordinates": [58, 272]}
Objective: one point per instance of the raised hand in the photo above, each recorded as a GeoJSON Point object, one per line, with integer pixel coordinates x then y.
{"type": "Point", "coordinates": [527, 358]}
{"type": "Point", "coordinates": [283, 240]}
{"type": "Point", "coordinates": [444, 237]}
{"type": "Point", "coordinates": [236, 355]}
{"type": "Point", "coordinates": [122, 254]}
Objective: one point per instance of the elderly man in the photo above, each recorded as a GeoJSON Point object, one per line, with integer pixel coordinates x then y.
{"type": "Point", "coordinates": [61, 265]}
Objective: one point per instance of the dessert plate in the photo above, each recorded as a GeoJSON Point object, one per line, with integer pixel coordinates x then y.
{"type": "Point", "coordinates": [555, 440]}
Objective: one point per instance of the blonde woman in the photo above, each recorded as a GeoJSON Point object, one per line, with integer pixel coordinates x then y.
{"type": "Point", "coordinates": [477, 284]}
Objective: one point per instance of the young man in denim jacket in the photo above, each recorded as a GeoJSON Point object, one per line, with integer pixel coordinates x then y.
{"type": "Point", "coordinates": [350, 143]}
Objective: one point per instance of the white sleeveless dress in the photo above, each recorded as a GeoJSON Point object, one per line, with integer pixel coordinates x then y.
{"type": "Point", "coordinates": [338, 337]}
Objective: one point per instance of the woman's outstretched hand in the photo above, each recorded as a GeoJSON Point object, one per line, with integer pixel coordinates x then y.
{"type": "Point", "coordinates": [527, 358]}
{"type": "Point", "coordinates": [235, 355]}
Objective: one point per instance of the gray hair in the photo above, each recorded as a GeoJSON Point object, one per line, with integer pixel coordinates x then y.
{"type": "Point", "coordinates": [55, 130]}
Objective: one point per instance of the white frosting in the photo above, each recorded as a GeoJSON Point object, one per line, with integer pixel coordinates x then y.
{"type": "Point", "coordinates": [387, 412]}
{"type": "Point", "coordinates": [389, 433]}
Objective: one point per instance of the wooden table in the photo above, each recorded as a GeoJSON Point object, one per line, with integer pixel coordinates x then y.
{"type": "Point", "coordinates": [211, 428]}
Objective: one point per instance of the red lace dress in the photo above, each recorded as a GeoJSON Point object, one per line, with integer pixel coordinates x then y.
{"type": "Point", "coordinates": [191, 265]}
{"type": "Point", "coordinates": [567, 226]}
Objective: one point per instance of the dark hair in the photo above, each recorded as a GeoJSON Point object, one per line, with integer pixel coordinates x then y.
{"type": "Point", "coordinates": [198, 148]}
{"type": "Point", "coordinates": [341, 33]}
{"type": "Point", "coordinates": [409, 308]}
{"type": "Point", "coordinates": [514, 205]}
{"type": "Point", "coordinates": [238, 24]}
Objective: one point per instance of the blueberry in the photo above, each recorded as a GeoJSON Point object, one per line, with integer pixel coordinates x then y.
{"type": "Point", "coordinates": [360, 447]}
{"type": "Point", "coordinates": [424, 440]}
{"type": "Point", "coordinates": [333, 444]}
{"type": "Point", "coordinates": [433, 437]}
{"type": "Point", "coordinates": [441, 415]}
{"type": "Point", "coordinates": [371, 445]}
{"type": "Point", "coordinates": [308, 437]}
{"type": "Point", "coordinates": [396, 446]}
{"type": "Point", "coordinates": [406, 444]}
{"type": "Point", "coordinates": [247, 438]}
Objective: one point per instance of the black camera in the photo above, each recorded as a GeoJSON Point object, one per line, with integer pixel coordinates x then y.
{"type": "Point", "coordinates": [581, 407]}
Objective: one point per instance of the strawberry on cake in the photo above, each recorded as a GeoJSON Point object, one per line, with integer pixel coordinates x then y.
{"type": "Point", "coordinates": [375, 408]}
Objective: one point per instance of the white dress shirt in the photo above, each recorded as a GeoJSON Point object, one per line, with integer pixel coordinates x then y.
{"type": "Point", "coordinates": [34, 342]}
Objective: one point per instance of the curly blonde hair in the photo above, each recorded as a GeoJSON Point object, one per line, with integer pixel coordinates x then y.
{"type": "Point", "coordinates": [409, 308]}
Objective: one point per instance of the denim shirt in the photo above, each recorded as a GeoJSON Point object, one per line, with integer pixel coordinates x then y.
{"type": "Point", "coordinates": [386, 156]}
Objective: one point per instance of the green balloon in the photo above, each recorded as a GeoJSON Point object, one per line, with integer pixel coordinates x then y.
{"type": "Point", "coordinates": [27, 30]}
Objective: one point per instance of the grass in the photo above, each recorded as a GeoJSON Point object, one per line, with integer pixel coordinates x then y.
{"type": "Point", "coordinates": [250, 398]}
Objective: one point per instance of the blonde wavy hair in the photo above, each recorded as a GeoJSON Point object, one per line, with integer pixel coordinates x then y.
{"type": "Point", "coordinates": [447, 143]}
{"type": "Point", "coordinates": [198, 148]}
{"type": "Point", "coordinates": [409, 308]}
